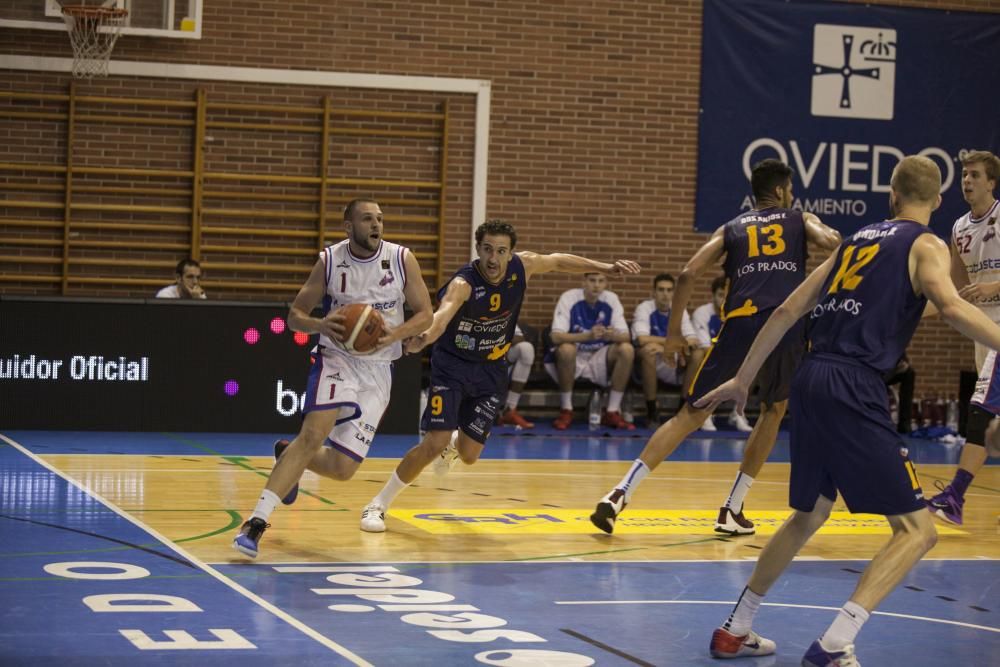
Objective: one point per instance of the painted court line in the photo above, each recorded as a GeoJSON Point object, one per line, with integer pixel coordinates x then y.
{"type": "Point", "coordinates": [778, 604]}
{"type": "Point", "coordinates": [291, 620]}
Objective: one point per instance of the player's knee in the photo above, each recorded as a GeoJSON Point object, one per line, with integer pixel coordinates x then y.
{"type": "Point", "coordinates": [566, 352]}
{"type": "Point", "coordinates": [468, 457]}
{"type": "Point", "coordinates": [312, 436]}
{"type": "Point", "coordinates": [647, 353]}
{"type": "Point", "coordinates": [923, 534]}
{"type": "Point", "coordinates": [526, 352]}
{"type": "Point", "coordinates": [625, 350]}
{"type": "Point", "coordinates": [976, 427]}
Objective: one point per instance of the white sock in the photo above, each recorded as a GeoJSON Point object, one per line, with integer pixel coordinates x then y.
{"type": "Point", "coordinates": [845, 627]}
{"type": "Point", "coordinates": [566, 400]}
{"type": "Point", "coordinates": [512, 398]}
{"type": "Point", "coordinates": [738, 492]}
{"type": "Point", "coordinates": [635, 474]}
{"type": "Point", "coordinates": [265, 506]}
{"type": "Point", "coordinates": [389, 492]}
{"type": "Point", "coordinates": [746, 608]}
{"type": "Point", "coordinates": [615, 400]}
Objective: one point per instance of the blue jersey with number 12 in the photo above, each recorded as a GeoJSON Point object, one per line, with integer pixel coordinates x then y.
{"type": "Point", "coordinates": [867, 310]}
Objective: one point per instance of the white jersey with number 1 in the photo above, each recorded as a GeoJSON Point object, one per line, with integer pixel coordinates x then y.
{"type": "Point", "coordinates": [378, 280]}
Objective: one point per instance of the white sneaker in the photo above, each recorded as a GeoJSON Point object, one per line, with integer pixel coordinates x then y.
{"type": "Point", "coordinates": [448, 458]}
{"type": "Point", "coordinates": [739, 422]}
{"type": "Point", "coordinates": [373, 518]}
{"type": "Point", "coordinates": [709, 425]}
{"type": "Point", "coordinates": [727, 645]}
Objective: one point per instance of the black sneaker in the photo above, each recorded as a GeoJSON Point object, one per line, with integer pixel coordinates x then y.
{"type": "Point", "coordinates": [607, 510]}
{"type": "Point", "coordinates": [279, 447]}
{"type": "Point", "coordinates": [250, 534]}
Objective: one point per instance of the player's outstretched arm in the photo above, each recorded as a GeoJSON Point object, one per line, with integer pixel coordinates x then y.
{"type": "Point", "coordinates": [458, 293]}
{"type": "Point", "coordinates": [417, 299]}
{"type": "Point", "coordinates": [931, 274]}
{"type": "Point", "coordinates": [798, 303]}
{"type": "Point", "coordinates": [560, 262]}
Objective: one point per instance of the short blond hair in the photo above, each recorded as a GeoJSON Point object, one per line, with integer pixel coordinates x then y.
{"type": "Point", "coordinates": [990, 162]}
{"type": "Point", "coordinates": [917, 179]}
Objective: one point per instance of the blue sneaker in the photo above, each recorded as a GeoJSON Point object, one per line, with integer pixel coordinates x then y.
{"type": "Point", "coordinates": [947, 505]}
{"type": "Point", "coordinates": [817, 656]}
{"type": "Point", "coordinates": [250, 534]}
{"type": "Point", "coordinates": [279, 447]}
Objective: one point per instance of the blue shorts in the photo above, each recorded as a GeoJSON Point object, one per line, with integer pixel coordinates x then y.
{"type": "Point", "coordinates": [843, 439]}
{"type": "Point", "coordinates": [723, 359]}
{"type": "Point", "coordinates": [464, 394]}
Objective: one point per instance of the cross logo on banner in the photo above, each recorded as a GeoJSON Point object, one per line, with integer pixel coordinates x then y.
{"type": "Point", "coordinates": [854, 72]}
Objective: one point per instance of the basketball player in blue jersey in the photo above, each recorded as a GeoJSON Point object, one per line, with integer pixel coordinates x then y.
{"type": "Point", "coordinates": [473, 325]}
{"type": "Point", "coordinates": [975, 269]}
{"type": "Point", "coordinates": [346, 394]}
{"type": "Point", "coordinates": [765, 254]}
{"type": "Point", "coordinates": [864, 303]}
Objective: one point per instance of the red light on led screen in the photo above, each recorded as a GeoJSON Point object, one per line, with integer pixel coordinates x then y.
{"type": "Point", "coordinates": [277, 326]}
{"type": "Point", "coordinates": [251, 336]}
{"type": "Point", "coordinates": [301, 338]}
{"type": "Point", "coordinates": [232, 387]}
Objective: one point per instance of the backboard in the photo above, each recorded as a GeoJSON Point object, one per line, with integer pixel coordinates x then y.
{"type": "Point", "coordinates": [161, 18]}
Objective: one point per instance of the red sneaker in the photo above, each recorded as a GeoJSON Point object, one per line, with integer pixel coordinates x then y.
{"type": "Point", "coordinates": [513, 418]}
{"type": "Point", "coordinates": [564, 419]}
{"type": "Point", "coordinates": [615, 420]}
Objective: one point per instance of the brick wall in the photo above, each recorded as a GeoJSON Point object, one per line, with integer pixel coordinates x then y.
{"type": "Point", "coordinates": [594, 118]}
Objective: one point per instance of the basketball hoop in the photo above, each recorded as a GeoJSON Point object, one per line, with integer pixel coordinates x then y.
{"type": "Point", "coordinates": [93, 32]}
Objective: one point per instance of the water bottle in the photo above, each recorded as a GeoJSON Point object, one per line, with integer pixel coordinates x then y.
{"type": "Point", "coordinates": [893, 406]}
{"type": "Point", "coordinates": [940, 410]}
{"type": "Point", "coordinates": [952, 416]}
{"type": "Point", "coordinates": [594, 411]}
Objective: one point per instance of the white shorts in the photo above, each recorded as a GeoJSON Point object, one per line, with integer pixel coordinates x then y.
{"type": "Point", "coordinates": [672, 375]}
{"type": "Point", "coordinates": [359, 388]}
{"type": "Point", "coordinates": [987, 394]}
{"type": "Point", "coordinates": [591, 366]}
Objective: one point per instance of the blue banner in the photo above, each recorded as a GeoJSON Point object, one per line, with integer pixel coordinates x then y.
{"type": "Point", "coordinates": [841, 92]}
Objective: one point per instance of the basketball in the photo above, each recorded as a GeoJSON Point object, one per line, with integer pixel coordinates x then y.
{"type": "Point", "coordinates": [363, 326]}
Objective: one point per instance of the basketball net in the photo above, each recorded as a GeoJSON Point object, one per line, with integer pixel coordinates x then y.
{"type": "Point", "coordinates": [93, 32]}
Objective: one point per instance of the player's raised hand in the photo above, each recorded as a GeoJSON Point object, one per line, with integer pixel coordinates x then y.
{"type": "Point", "coordinates": [623, 266]}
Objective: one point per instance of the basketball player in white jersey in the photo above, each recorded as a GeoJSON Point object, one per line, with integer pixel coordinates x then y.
{"type": "Point", "coordinates": [975, 269]}
{"type": "Point", "coordinates": [346, 393]}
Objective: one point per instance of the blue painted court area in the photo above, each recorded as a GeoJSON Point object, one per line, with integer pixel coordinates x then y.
{"type": "Point", "coordinates": [505, 443]}
{"type": "Point", "coordinates": [83, 585]}
{"type": "Point", "coordinates": [653, 613]}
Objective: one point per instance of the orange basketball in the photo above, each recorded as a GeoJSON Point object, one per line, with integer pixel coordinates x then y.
{"type": "Point", "coordinates": [363, 326]}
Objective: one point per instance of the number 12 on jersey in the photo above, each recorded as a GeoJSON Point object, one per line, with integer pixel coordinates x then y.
{"type": "Point", "coordinates": [850, 264]}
